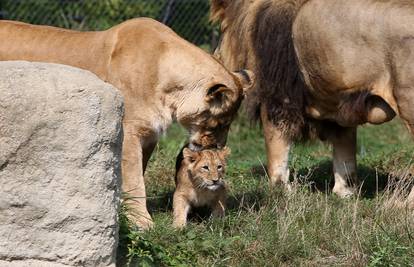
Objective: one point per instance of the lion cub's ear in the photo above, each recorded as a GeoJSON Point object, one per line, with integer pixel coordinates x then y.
{"type": "Point", "coordinates": [225, 152]}
{"type": "Point", "coordinates": [190, 155]}
{"type": "Point", "coordinates": [246, 78]}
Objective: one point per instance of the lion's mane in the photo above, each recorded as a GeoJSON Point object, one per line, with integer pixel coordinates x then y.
{"type": "Point", "coordinates": [259, 37]}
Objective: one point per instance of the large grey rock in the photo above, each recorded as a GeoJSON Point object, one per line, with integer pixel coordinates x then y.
{"type": "Point", "coordinates": [60, 144]}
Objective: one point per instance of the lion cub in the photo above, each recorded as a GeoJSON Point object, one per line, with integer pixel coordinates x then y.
{"type": "Point", "coordinates": [199, 182]}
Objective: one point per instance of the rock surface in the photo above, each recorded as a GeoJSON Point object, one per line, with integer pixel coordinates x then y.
{"type": "Point", "coordinates": [60, 145]}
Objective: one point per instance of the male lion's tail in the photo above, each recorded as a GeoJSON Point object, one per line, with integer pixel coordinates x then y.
{"type": "Point", "coordinates": [266, 28]}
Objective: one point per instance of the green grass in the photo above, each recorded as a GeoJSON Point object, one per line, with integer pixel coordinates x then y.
{"type": "Point", "coordinates": [263, 227]}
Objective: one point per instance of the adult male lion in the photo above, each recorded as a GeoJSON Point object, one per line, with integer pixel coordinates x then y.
{"type": "Point", "coordinates": [161, 77]}
{"type": "Point", "coordinates": [333, 64]}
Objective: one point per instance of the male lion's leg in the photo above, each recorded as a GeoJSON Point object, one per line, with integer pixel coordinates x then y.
{"type": "Point", "coordinates": [344, 162]}
{"type": "Point", "coordinates": [405, 100]}
{"type": "Point", "coordinates": [133, 177]}
{"type": "Point", "coordinates": [277, 149]}
{"type": "Point", "coordinates": [404, 89]}
{"type": "Point", "coordinates": [408, 118]}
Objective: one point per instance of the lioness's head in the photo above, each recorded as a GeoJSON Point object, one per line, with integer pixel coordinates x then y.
{"type": "Point", "coordinates": [206, 167]}
{"type": "Point", "coordinates": [208, 122]}
{"type": "Point", "coordinates": [202, 93]}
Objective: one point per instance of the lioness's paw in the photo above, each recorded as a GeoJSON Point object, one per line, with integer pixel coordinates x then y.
{"type": "Point", "coordinates": [142, 222]}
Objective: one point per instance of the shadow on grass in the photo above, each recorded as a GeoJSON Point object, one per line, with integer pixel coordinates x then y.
{"type": "Point", "coordinates": [164, 203]}
{"type": "Point", "coordinates": [251, 200]}
{"type": "Point", "coordinates": [161, 203]}
{"type": "Point", "coordinates": [123, 242]}
{"type": "Point", "coordinates": [320, 178]}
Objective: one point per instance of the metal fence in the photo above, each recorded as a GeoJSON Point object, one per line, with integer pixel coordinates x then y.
{"type": "Point", "coordinates": [189, 18]}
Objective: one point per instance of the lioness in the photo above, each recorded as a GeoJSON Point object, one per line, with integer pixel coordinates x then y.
{"type": "Point", "coordinates": [199, 182]}
{"type": "Point", "coordinates": [330, 64]}
{"type": "Point", "coordinates": [161, 77]}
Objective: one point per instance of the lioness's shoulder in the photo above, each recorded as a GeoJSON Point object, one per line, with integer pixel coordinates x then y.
{"type": "Point", "coordinates": [143, 24]}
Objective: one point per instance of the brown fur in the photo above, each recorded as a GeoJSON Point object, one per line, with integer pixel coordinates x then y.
{"type": "Point", "coordinates": [258, 35]}
{"type": "Point", "coordinates": [199, 182]}
{"type": "Point", "coordinates": [279, 86]}
{"type": "Point", "coordinates": [161, 77]}
{"type": "Point", "coordinates": [338, 63]}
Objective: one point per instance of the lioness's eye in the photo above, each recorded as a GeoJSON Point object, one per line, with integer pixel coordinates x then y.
{"type": "Point", "coordinates": [205, 167]}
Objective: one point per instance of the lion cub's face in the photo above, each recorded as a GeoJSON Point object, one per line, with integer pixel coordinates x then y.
{"type": "Point", "coordinates": [206, 167]}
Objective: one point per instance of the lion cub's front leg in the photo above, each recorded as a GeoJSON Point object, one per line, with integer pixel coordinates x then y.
{"type": "Point", "coordinates": [181, 207]}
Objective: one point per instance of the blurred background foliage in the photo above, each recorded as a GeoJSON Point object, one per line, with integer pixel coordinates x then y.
{"type": "Point", "coordinates": [189, 18]}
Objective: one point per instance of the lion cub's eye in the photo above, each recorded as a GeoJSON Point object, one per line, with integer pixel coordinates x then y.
{"type": "Point", "coordinates": [205, 167]}
{"type": "Point", "coordinates": [219, 167]}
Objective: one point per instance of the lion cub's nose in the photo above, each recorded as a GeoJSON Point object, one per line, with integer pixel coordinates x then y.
{"type": "Point", "coordinates": [215, 180]}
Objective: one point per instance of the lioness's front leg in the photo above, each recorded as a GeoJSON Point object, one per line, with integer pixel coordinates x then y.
{"type": "Point", "coordinates": [133, 176]}
{"type": "Point", "coordinates": [277, 149]}
{"type": "Point", "coordinates": [344, 162]}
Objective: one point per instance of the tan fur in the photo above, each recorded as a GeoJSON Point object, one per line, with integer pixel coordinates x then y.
{"type": "Point", "coordinates": [252, 39]}
{"type": "Point", "coordinates": [329, 64]}
{"type": "Point", "coordinates": [199, 182]}
{"type": "Point", "coordinates": [161, 77]}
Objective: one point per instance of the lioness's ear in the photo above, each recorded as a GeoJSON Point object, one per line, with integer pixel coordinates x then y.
{"type": "Point", "coordinates": [226, 151]}
{"type": "Point", "coordinates": [217, 9]}
{"type": "Point", "coordinates": [246, 78]}
{"type": "Point", "coordinates": [190, 155]}
{"type": "Point", "coordinates": [218, 92]}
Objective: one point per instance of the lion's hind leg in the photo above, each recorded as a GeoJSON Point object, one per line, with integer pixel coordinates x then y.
{"type": "Point", "coordinates": [403, 61]}
{"type": "Point", "coordinates": [405, 101]}
{"type": "Point", "coordinates": [344, 162]}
